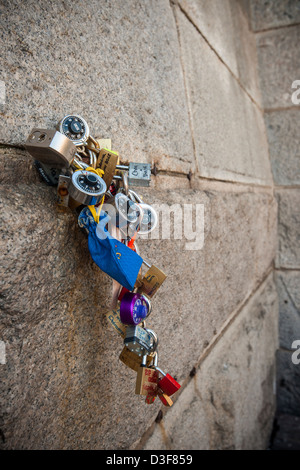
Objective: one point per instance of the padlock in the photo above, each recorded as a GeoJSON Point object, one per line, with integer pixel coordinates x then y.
{"type": "Point", "coordinates": [107, 161]}
{"type": "Point", "coordinates": [122, 293]}
{"type": "Point", "coordinates": [134, 308]}
{"type": "Point", "coordinates": [149, 220]}
{"type": "Point", "coordinates": [63, 191]}
{"type": "Point", "coordinates": [87, 187]}
{"type": "Point", "coordinates": [152, 280]}
{"type": "Point", "coordinates": [49, 174]}
{"type": "Point", "coordinates": [167, 383]}
{"type": "Point", "coordinates": [140, 340]}
{"type": "Point", "coordinates": [139, 174]}
{"type": "Point", "coordinates": [164, 398]}
{"type": "Point", "coordinates": [132, 360]}
{"type": "Point", "coordinates": [127, 214]}
{"type": "Point", "coordinates": [104, 143]}
{"type": "Point", "coordinates": [50, 147]}
{"type": "Point", "coordinates": [113, 317]}
{"type": "Point", "coordinates": [150, 399]}
{"type": "Point", "coordinates": [147, 378]}
{"type": "Point", "coordinates": [75, 128]}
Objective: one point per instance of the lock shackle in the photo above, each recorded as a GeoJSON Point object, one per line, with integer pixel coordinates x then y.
{"type": "Point", "coordinates": [133, 194]}
{"type": "Point", "coordinates": [93, 158]}
{"type": "Point", "coordinates": [155, 338]}
{"type": "Point", "coordinates": [94, 141]}
{"type": "Point", "coordinates": [155, 360]}
{"type": "Point", "coordinates": [79, 164]}
{"type": "Point", "coordinates": [136, 247]}
{"type": "Point", "coordinates": [125, 182]}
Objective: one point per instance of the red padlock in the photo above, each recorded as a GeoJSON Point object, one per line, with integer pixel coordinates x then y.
{"type": "Point", "coordinates": [167, 384]}
{"type": "Point", "coordinates": [122, 293]}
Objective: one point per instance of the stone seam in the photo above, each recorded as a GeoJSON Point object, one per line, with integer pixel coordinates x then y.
{"type": "Point", "coordinates": [187, 95]}
{"type": "Point", "coordinates": [220, 58]}
{"type": "Point", "coordinates": [208, 349]}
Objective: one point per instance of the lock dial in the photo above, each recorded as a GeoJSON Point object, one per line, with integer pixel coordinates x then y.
{"type": "Point", "coordinates": [87, 187]}
{"type": "Point", "coordinates": [88, 182]}
{"type": "Point", "coordinates": [75, 128]}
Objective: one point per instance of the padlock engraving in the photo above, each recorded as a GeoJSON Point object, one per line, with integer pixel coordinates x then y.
{"type": "Point", "coordinates": [146, 381]}
{"type": "Point", "coordinates": [152, 281]}
{"type": "Point", "coordinates": [139, 174]}
{"type": "Point", "coordinates": [107, 161]}
{"type": "Point", "coordinates": [113, 316]}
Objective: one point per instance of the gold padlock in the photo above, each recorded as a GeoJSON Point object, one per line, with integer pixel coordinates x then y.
{"type": "Point", "coordinates": [147, 379]}
{"type": "Point", "coordinates": [107, 161]}
{"type": "Point", "coordinates": [113, 316]}
{"type": "Point", "coordinates": [152, 281]}
{"type": "Point", "coordinates": [132, 360]}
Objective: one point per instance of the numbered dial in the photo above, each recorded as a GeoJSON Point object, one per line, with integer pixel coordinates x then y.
{"type": "Point", "coordinates": [88, 182]}
{"type": "Point", "coordinates": [75, 128]}
{"type": "Point", "coordinates": [134, 308]}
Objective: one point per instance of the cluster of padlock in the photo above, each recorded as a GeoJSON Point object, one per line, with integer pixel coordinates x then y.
{"type": "Point", "coordinates": [91, 180]}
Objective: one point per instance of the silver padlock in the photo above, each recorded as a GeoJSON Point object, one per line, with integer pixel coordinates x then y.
{"type": "Point", "coordinates": [86, 187]}
{"type": "Point", "coordinates": [127, 214]}
{"type": "Point", "coordinates": [140, 340]}
{"type": "Point", "coordinates": [149, 220]}
{"type": "Point", "coordinates": [50, 147]}
{"type": "Point", "coordinates": [139, 174]}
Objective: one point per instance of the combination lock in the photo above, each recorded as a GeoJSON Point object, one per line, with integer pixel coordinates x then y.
{"type": "Point", "coordinates": [86, 187]}
{"type": "Point", "coordinates": [75, 128]}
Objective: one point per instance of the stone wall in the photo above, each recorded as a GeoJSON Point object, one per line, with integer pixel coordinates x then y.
{"type": "Point", "coordinates": [277, 37]}
{"type": "Point", "coordinates": [174, 84]}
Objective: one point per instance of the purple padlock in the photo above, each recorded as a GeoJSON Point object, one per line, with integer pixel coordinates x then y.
{"type": "Point", "coordinates": [134, 308]}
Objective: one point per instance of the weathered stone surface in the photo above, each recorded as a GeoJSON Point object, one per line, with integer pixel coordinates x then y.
{"type": "Point", "coordinates": [226, 26]}
{"type": "Point", "coordinates": [288, 255]}
{"type": "Point", "coordinates": [283, 129]}
{"type": "Point", "coordinates": [278, 61]}
{"type": "Point", "coordinates": [209, 283]}
{"type": "Point", "coordinates": [230, 402]}
{"type": "Point", "coordinates": [116, 64]}
{"type": "Point", "coordinates": [288, 283]}
{"type": "Point", "coordinates": [63, 385]}
{"type": "Point", "coordinates": [229, 133]}
{"type": "Point", "coordinates": [268, 14]}
{"type": "Point", "coordinates": [288, 384]}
